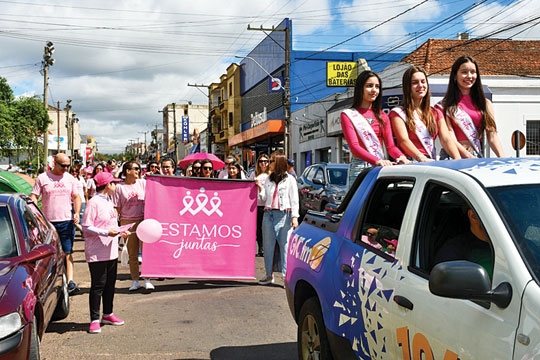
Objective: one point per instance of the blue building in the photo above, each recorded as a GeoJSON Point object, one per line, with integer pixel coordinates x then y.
{"type": "Point", "coordinates": [272, 68]}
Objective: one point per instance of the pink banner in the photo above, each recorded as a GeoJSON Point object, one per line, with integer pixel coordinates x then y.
{"type": "Point", "coordinates": [208, 228]}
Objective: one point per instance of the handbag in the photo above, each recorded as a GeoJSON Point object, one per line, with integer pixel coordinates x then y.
{"type": "Point", "coordinates": [124, 255]}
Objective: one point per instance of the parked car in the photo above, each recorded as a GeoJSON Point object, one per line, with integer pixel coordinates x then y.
{"type": "Point", "coordinates": [436, 260]}
{"type": "Point", "coordinates": [33, 283]}
{"type": "Point", "coordinates": [321, 184]}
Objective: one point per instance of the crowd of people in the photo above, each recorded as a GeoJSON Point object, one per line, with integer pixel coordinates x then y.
{"type": "Point", "coordinates": [98, 200]}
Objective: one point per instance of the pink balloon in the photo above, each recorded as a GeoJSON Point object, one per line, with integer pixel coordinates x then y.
{"type": "Point", "coordinates": [149, 230]}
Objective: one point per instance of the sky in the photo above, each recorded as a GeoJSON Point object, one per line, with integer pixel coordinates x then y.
{"type": "Point", "coordinates": [122, 61]}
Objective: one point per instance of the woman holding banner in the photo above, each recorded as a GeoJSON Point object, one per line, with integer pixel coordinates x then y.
{"type": "Point", "coordinates": [280, 197]}
{"type": "Point", "coordinates": [129, 202]}
{"type": "Point", "coordinates": [367, 128]}
{"type": "Point", "coordinates": [468, 113]}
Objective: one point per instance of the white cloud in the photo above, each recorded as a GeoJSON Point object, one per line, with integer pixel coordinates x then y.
{"type": "Point", "coordinates": [120, 62]}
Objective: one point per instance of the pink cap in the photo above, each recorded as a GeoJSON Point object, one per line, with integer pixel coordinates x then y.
{"type": "Point", "coordinates": [103, 178]}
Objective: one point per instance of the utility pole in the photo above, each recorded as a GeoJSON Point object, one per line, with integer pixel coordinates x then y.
{"type": "Point", "coordinates": [58, 127]}
{"type": "Point", "coordinates": [286, 88]}
{"type": "Point", "coordinates": [174, 135]}
{"type": "Point", "coordinates": [144, 132]}
{"type": "Point", "coordinates": [209, 132]}
{"type": "Point", "coordinates": [68, 124]}
{"type": "Point", "coordinates": [45, 63]}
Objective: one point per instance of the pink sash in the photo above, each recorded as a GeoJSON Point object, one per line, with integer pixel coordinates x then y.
{"type": "Point", "coordinates": [421, 131]}
{"type": "Point", "coordinates": [465, 123]}
{"type": "Point", "coordinates": [367, 135]}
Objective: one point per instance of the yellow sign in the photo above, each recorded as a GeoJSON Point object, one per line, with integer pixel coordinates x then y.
{"type": "Point", "coordinates": [341, 73]}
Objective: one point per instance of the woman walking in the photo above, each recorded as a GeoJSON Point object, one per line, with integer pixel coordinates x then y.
{"type": "Point", "coordinates": [100, 226]}
{"type": "Point", "coordinates": [262, 170]}
{"type": "Point", "coordinates": [280, 197]}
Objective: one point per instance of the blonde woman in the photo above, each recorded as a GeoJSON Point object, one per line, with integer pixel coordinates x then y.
{"type": "Point", "coordinates": [262, 170]}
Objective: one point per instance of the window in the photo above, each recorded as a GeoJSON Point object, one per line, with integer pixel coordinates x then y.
{"type": "Point", "coordinates": [381, 222]}
{"type": "Point", "coordinates": [444, 233]}
{"type": "Point", "coordinates": [533, 138]}
{"type": "Point", "coordinates": [231, 119]}
{"type": "Point", "coordinates": [8, 245]}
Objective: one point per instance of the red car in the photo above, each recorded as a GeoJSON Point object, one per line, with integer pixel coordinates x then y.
{"type": "Point", "coordinates": [33, 283]}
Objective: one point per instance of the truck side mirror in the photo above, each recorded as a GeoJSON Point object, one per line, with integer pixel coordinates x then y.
{"type": "Point", "coordinates": [469, 281]}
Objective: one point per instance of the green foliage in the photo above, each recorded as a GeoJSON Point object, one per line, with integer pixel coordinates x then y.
{"type": "Point", "coordinates": [22, 120]}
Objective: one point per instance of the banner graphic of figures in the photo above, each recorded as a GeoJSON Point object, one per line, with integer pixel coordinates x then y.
{"type": "Point", "coordinates": [208, 228]}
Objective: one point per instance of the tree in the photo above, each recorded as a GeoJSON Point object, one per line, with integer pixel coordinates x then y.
{"type": "Point", "coordinates": [22, 120]}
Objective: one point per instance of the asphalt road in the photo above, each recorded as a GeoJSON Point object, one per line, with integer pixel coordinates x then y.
{"type": "Point", "coordinates": [180, 319]}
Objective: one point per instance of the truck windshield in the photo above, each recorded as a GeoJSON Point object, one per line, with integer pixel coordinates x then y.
{"type": "Point", "coordinates": [520, 207]}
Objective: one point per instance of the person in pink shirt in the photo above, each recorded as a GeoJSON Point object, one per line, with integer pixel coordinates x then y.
{"type": "Point", "coordinates": [100, 227]}
{"type": "Point", "coordinates": [468, 113]}
{"type": "Point", "coordinates": [128, 200]}
{"type": "Point", "coordinates": [58, 189]}
{"type": "Point", "coordinates": [367, 128]}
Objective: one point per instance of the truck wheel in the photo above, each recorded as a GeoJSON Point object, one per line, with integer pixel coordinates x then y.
{"type": "Point", "coordinates": [312, 340]}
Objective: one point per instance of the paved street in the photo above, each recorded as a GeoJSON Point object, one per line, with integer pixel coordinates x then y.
{"type": "Point", "coordinates": [180, 319]}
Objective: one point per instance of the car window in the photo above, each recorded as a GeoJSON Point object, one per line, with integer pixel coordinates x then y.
{"type": "Point", "coordinates": [43, 226]}
{"type": "Point", "coordinates": [34, 235]}
{"type": "Point", "coordinates": [8, 243]}
{"type": "Point", "coordinates": [309, 173]}
{"type": "Point", "coordinates": [319, 174]}
{"type": "Point", "coordinates": [337, 176]}
{"type": "Point", "coordinates": [381, 221]}
{"type": "Point", "coordinates": [444, 231]}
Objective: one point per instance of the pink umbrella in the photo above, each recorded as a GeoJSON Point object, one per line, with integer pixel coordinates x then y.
{"type": "Point", "coordinates": [217, 163]}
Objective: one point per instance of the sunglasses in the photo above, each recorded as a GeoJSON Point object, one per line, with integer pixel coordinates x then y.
{"type": "Point", "coordinates": [197, 168]}
{"type": "Point", "coordinates": [135, 168]}
{"type": "Point", "coordinates": [370, 234]}
{"type": "Point", "coordinates": [153, 166]}
{"type": "Point", "coordinates": [207, 168]}
{"type": "Point", "coordinates": [65, 166]}
{"type": "Point", "coordinates": [263, 161]}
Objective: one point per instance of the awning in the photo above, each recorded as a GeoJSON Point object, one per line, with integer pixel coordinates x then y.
{"type": "Point", "coordinates": [260, 132]}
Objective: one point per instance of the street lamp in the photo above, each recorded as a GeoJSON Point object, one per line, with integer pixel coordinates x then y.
{"type": "Point", "coordinates": [286, 98]}
{"type": "Point", "coordinates": [45, 63]}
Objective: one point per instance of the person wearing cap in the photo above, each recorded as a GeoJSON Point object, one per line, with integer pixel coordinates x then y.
{"type": "Point", "coordinates": [290, 168]}
{"type": "Point", "coordinates": [58, 190]}
{"type": "Point", "coordinates": [100, 227]}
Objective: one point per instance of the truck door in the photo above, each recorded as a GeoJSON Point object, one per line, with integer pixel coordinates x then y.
{"type": "Point", "coordinates": [451, 329]}
{"type": "Point", "coordinates": [369, 273]}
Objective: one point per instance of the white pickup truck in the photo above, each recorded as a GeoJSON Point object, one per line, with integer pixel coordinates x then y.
{"type": "Point", "coordinates": [437, 260]}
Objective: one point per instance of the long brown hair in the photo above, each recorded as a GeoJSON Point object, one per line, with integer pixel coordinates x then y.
{"type": "Point", "coordinates": [280, 168]}
{"type": "Point", "coordinates": [478, 97]}
{"type": "Point", "coordinates": [358, 95]}
{"type": "Point", "coordinates": [408, 102]}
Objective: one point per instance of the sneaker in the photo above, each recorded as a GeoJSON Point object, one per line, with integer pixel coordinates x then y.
{"type": "Point", "coordinates": [112, 320]}
{"type": "Point", "coordinates": [148, 285]}
{"type": "Point", "coordinates": [135, 285]}
{"type": "Point", "coordinates": [94, 328]}
{"type": "Point", "coordinates": [267, 280]}
{"type": "Point", "coordinates": [72, 288]}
